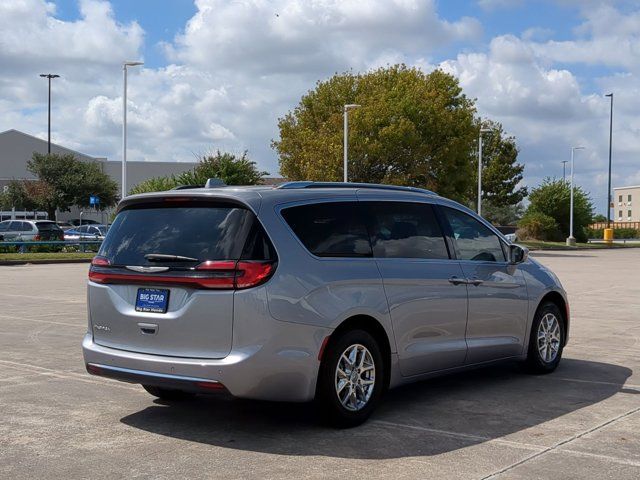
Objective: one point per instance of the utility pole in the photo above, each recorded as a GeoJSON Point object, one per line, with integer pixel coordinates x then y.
{"type": "Point", "coordinates": [345, 167]}
{"type": "Point", "coordinates": [610, 95]}
{"type": "Point", "coordinates": [49, 76]}
{"type": "Point", "coordinates": [564, 170]}
{"type": "Point", "coordinates": [124, 124]}
{"type": "Point", "coordinates": [482, 130]}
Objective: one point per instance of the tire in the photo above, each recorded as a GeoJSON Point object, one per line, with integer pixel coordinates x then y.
{"type": "Point", "coordinates": [167, 393]}
{"type": "Point", "coordinates": [339, 408]}
{"type": "Point", "coordinates": [544, 354]}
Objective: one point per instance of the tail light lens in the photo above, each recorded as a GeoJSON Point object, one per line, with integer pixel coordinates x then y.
{"type": "Point", "coordinates": [37, 237]}
{"type": "Point", "coordinates": [221, 275]}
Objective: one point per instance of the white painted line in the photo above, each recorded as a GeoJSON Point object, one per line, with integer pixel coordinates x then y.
{"type": "Point", "coordinates": [560, 444]}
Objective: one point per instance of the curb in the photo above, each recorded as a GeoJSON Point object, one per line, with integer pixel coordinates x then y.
{"type": "Point", "coordinates": [43, 261]}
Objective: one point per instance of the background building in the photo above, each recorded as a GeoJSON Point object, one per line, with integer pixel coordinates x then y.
{"type": "Point", "coordinates": [17, 148]}
{"type": "Point", "coordinates": [626, 204]}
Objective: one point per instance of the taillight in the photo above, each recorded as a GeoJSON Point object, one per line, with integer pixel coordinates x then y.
{"type": "Point", "coordinates": [100, 261]}
{"type": "Point", "coordinates": [36, 238]}
{"type": "Point", "coordinates": [221, 275]}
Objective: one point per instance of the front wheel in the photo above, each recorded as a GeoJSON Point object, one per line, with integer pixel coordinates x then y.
{"type": "Point", "coordinates": [351, 379]}
{"type": "Point", "coordinates": [546, 340]}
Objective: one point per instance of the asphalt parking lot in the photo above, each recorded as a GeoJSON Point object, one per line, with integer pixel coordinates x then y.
{"type": "Point", "coordinates": [581, 422]}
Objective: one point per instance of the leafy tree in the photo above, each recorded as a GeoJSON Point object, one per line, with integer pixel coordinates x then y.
{"type": "Point", "coordinates": [17, 196]}
{"type": "Point", "coordinates": [552, 197]}
{"type": "Point", "coordinates": [232, 169]}
{"type": "Point", "coordinates": [412, 129]}
{"type": "Point", "coordinates": [502, 214]}
{"type": "Point", "coordinates": [67, 181]}
{"type": "Point", "coordinates": [501, 174]}
{"type": "Point", "coordinates": [599, 218]}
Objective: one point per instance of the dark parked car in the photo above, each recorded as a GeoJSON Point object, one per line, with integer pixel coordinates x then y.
{"type": "Point", "coordinates": [84, 221]}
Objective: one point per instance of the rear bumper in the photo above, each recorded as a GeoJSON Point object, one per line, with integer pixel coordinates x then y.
{"type": "Point", "coordinates": [179, 382]}
{"type": "Point", "coordinates": [268, 371]}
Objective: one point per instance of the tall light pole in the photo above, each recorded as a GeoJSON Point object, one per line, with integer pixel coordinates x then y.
{"type": "Point", "coordinates": [564, 170]}
{"type": "Point", "coordinates": [345, 169]}
{"type": "Point", "coordinates": [571, 241]}
{"type": "Point", "coordinates": [482, 130]}
{"type": "Point", "coordinates": [49, 76]}
{"type": "Point", "coordinates": [124, 125]}
{"type": "Point", "coordinates": [610, 95]}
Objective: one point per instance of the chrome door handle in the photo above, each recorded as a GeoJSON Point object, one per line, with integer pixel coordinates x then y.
{"type": "Point", "coordinates": [475, 281]}
{"type": "Point", "coordinates": [458, 281]}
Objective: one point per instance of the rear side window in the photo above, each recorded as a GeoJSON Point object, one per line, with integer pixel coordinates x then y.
{"type": "Point", "coordinates": [405, 230]}
{"type": "Point", "coordinates": [199, 231]}
{"type": "Point", "coordinates": [4, 226]}
{"type": "Point", "coordinates": [26, 227]}
{"type": "Point", "coordinates": [335, 229]}
{"type": "Point", "coordinates": [47, 226]}
{"type": "Point", "coordinates": [473, 240]}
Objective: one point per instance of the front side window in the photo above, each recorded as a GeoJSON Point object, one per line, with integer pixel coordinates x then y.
{"type": "Point", "coordinates": [405, 230]}
{"type": "Point", "coordinates": [473, 240]}
{"type": "Point", "coordinates": [334, 229]}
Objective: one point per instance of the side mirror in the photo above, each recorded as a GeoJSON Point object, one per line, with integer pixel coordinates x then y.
{"type": "Point", "coordinates": [518, 254]}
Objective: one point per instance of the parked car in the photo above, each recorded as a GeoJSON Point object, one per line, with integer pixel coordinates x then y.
{"type": "Point", "coordinates": [30, 230]}
{"type": "Point", "coordinates": [325, 291]}
{"type": "Point", "coordinates": [76, 222]}
{"type": "Point", "coordinates": [65, 225]}
{"type": "Point", "coordinates": [86, 232]}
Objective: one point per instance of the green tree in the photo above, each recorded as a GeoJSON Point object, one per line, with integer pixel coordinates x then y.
{"type": "Point", "coordinates": [599, 218]}
{"type": "Point", "coordinates": [502, 214]}
{"type": "Point", "coordinates": [232, 169]}
{"type": "Point", "coordinates": [551, 198]}
{"type": "Point", "coordinates": [412, 129]}
{"type": "Point", "coordinates": [17, 196]}
{"type": "Point", "coordinates": [67, 181]}
{"type": "Point", "coordinates": [501, 173]}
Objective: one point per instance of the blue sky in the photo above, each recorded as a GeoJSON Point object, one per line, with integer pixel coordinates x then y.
{"type": "Point", "coordinates": [219, 73]}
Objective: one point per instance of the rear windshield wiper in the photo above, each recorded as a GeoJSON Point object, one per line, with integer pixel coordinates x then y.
{"type": "Point", "coordinates": [161, 257]}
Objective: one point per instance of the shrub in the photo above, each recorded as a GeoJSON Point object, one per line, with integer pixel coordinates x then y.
{"type": "Point", "coordinates": [537, 226]}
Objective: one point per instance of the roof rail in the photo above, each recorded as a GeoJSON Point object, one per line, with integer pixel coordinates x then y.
{"type": "Point", "coordinates": [186, 187]}
{"type": "Point", "coordinates": [377, 186]}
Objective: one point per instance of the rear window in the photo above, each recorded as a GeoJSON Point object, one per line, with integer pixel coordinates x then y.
{"type": "Point", "coordinates": [334, 229]}
{"type": "Point", "coordinates": [47, 226]}
{"type": "Point", "coordinates": [200, 231]}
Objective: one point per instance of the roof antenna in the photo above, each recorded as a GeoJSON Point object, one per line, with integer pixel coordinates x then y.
{"type": "Point", "coordinates": [215, 183]}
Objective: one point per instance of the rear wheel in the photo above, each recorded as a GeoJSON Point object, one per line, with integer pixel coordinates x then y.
{"type": "Point", "coordinates": [167, 393]}
{"type": "Point", "coordinates": [351, 379]}
{"type": "Point", "coordinates": [546, 340]}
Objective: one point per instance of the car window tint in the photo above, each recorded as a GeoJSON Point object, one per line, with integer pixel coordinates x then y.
{"type": "Point", "coordinates": [4, 226]}
{"type": "Point", "coordinates": [334, 229]}
{"type": "Point", "coordinates": [26, 227]}
{"type": "Point", "coordinates": [203, 231]}
{"type": "Point", "coordinates": [47, 226]}
{"type": "Point", "coordinates": [15, 226]}
{"type": "Point", "coordinates": [405, 230]}
{"type": "Point", "coordinates": [473, 240]}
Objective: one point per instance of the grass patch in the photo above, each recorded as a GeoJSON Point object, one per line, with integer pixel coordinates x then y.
{"type": "Point", "coordinates": [60, 256]}
{"type": "Point", "coordinates": [539, 245]}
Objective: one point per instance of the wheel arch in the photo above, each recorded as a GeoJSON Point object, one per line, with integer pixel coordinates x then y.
{"type": "Point", "coordinates": [372, 326]}
{"type": "Point", "coordinates": [560, 301]}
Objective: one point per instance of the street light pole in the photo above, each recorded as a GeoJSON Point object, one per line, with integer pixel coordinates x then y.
{"type": "Point", "coordinates": [610, 147]}
{"type": "Point", "coordinates": [482, 130]}
{"type": "Point", "coordinates": [124, 125]}
{"type": "Point", "coordinates": [564, 170]}
{"type": "Point", "coordinates": [345, 168]}
{"type": "Point", "coordinates": [571, 241]}
{"type": "Point", "coordinates": [49, 76]}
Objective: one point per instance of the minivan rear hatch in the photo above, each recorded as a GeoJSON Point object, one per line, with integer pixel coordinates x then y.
{"type": "Point", "coordinates": [164, 279]}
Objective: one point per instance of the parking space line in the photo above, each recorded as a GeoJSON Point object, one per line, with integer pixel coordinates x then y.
{"type": "Point", "coordinates": [12, 317]}
{"type": "Point", "coordinates": [596, 382]}
{"type": "Point", "coordinates": [67, 375]}
{"type": "Point", "coordinates": [463, 436]}
{"type": "Point", "coordinates": [562, 443]}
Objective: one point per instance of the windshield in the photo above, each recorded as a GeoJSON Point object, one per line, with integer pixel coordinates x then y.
{"type": "Point", "coordinates": [203, 232]}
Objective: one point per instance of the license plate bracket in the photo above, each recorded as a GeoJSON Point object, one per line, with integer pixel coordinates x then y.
{"type": "Point", "coordinates": [152, 300]}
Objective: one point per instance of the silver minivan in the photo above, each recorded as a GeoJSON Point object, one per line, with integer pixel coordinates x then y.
{"type": "Point", "coordinates": [303, 291]}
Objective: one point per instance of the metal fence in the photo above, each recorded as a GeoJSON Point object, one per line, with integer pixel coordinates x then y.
{"type": "Point", "coordinates": [600, 225]}
{"type": "Point", "coordinates": [23, 247]}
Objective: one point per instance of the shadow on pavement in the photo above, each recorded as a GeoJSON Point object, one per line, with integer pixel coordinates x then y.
{"type": "Point", "coordinates": [465, 409]}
